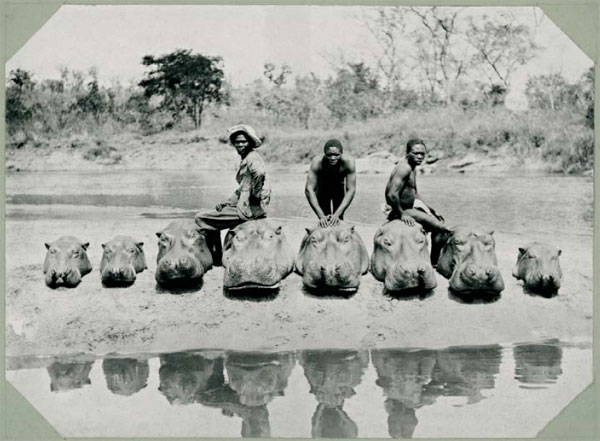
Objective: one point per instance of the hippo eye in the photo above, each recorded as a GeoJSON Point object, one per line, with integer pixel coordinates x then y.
{"type": "Point", "coordinates": [130, 250]}
{"type": "Point", "coordinates": [460, 242]}
{"type": "Point", "coordinates": [52, 251]}
{"type": "Point", "coordinates": [75, 253]}
{"type": "Point", "coordinates": [387, 242]}
{"type": "Point", "coordinates": [531, 256]}
{"type": "Point", "coordinates": [344, 239]}
{"type": "Point", "coordinates": [420, 240]}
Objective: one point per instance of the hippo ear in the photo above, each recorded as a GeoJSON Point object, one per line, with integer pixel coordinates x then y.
{"type": "Point", "coordinates": [47, 245]}
{"type": "Point", "coordinates": [491, 232]}
{"type": "Point", "coordinates": [103, 245]}
{"type": "Point", "coordinates": [308, 231]}
{"type": "Point", "coordinates": [522, 251]}
{"type": "Point", "coordinates": [140, 244]}
{"type": "Point", "coordinates": [352, 229]}
{"type": "Point", "coordinates": [159, 234]}
{"type": "Point", "coordinates": [278, 230]}
{"type": "Point", "coordinates": [85, 245]}
{"type": "Point", "coordinates": [559, 252]}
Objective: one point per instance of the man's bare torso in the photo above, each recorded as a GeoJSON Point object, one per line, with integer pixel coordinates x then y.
{"type": "Point", "coordinates": [406, 188]}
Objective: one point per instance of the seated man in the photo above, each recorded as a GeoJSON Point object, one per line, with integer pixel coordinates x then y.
{"type": "Point", "coordinates": [249, 201]}
{"type": "Point", "coordinates": [401, 194]}
{"type": "Point", "coordinates": [331, 184]}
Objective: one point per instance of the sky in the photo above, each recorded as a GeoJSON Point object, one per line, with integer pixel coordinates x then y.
{"type": "Point", "coordinates": [115, 38]}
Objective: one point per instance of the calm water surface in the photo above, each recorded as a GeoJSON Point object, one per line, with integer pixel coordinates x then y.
{"type": "Point", "coordinates": [523, 204]}
{"type": "Point", "coordinates": [398, 393]}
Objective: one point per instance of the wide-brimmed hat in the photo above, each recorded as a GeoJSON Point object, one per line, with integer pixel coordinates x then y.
{"type": "Point", "coordinates": [246, 130]}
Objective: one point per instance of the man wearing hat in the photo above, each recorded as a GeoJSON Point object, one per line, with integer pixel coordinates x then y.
{"type": "Point", "coordinates": [249, 201]}
{"type": "Point", "coordinates": [331, 184]}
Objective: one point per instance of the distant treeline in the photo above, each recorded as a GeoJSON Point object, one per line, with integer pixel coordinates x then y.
{"type": "Point", "coordinates": [431, 62]}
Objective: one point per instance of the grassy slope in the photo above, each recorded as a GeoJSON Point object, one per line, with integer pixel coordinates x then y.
{"type": "Point", "coordinates": [550, 141]}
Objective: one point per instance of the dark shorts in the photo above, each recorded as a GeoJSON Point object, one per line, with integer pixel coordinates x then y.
{"type": "Point", "coordinates": [329, 202]}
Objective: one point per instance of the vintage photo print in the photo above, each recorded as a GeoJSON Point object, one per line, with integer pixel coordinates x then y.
{"type": "Point", "coordinates": [299, 221]}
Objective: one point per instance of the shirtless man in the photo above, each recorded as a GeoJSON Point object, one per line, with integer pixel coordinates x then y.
{"type": "Point", "coordinates": [401, 192]}
{"type": "Point", "coordinates": [331, 184]}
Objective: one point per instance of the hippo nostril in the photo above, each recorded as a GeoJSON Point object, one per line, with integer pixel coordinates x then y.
{"type": "Point", "coordinates": [470, 272]}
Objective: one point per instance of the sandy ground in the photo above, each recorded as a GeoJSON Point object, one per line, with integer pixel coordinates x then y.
{"type": "Point", "coordinates": [141, 318]}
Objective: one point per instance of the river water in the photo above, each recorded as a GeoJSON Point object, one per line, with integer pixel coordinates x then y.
{"type": "Point", "coordinates": [523, 204]}
{"type": "Point", "coordinates": [398, 393]}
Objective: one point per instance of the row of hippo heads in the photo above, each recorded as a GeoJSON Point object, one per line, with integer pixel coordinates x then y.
{"type": "Point", "coordinates": [256, 254]}
{"type": "Point", "coordinates": [67, 262]}
{"type": "Point", "coordinates": [467, 259]}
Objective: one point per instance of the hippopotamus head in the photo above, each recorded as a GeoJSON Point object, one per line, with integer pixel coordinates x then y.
{"type": "Point", "coordinates": [468, 260]}
{"type": "Point", "coordinates": [400, 258]}
{"type": "Point", "coordinates": [538, 267]}
{"type": "Point", "coordinates": [69, 376]}
{"type": "Point", "coordinates": [66, 262]}
{"type": "Point", "coordinates": [183, 255]}
{"type": "Point", "coordinates": [256, 255]}
{"type": "Point", "coordinates": [122, 258]}
{"type": "Point", "coordinates": [258, 377]}
{"type": "Point", "coordinates": [332, 257]}
{"type": "Point", "coordinates": [125, 376]}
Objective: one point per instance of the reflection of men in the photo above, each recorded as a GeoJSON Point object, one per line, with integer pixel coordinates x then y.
{"type": "Point", "coordinates": [125, 376]}
{"type": "Point", "coordinates": [406, 203]}
{"type": "Point", "coordinates": [331, 184]}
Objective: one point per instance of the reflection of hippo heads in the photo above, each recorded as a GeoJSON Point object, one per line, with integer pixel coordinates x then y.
{"type": "Point", "coordinates": [125, 376]}
{"type": "Point", "coordinates": [467, 371]}
{"type": "Point", "coordinates": [185, 376]}
{"type": "Point", "coordinates": [332, 422]}
{"type": "Point", "coordinates": [183, 255]}
{"type": "Point", "coordinates": [468, 260]}
{"type": "Point", "coordinates": [122, 258]}
{"type": "Point", "coordinates": [257, 377]}
{"type": "Point", "coordinates": [400, 258]}
{"type": "Point", "coordinates": [256, 255]}
{"type": "Point", "coordinates": [538, 267]}
{"type": "Point", "coordinates": [402, 419]}
{"type": "Point", "coordinates": [538, 364]}
{"type": "Point", "coordinates": [67, 376]}
{"type": "Point", "coordinates": [404, 376]}
{"type": "Point", "coordinates": [332, 257]}
{"type": "Point", "coordinates": [333, 375]}
{"type": "Point", "coordinates": [66, 262]}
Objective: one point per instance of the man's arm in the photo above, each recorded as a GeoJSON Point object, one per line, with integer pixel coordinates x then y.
{"type": "Point", "coordinates": [350, 189]}
{"type": "Point", "coordinates": [311, 189]}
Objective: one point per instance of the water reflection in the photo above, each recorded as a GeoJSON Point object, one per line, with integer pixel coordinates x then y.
{"type": "Point", "coordinates": [243, 385]}
{"type": "Point", "coordinates": [68, 376]}
{"type": "Point", "coordinates": [537, 364]}
{"type": "Point", "coordinates": [125, 376]}
{"type": "Point", "coordinates": [257, 378]}
{"type": "Point", "coordinates": [466, 371]}
{"type": "Point", "coordinates": [404, 377]}
{"type": "Point", "coordinates": [332, 376]}
{"type": "Point", "coordinates": [186, 376]}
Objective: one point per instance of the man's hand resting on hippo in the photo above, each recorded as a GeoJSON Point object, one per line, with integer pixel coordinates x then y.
{"type": "Point", "coordinates": [324, 221]}
{"type": "Point", "coordinates": [220, 205]}
{"type": "Point", "coordinates": [408, 220]}
{"type": "Point", "coordinates": [333, 220]}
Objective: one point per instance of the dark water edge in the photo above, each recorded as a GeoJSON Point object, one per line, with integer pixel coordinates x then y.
{"type": "Point", "coordinates": [247, 388]}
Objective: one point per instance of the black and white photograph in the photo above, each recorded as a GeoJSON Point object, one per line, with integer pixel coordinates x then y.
{"type": "Point", "coordinates": [299, 221]}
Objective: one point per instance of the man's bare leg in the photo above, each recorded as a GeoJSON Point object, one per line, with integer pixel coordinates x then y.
{"type": "Point", "coordinates": [428, 221]}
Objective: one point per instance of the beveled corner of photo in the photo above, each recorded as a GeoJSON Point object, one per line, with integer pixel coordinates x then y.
{"type": "Point", "coordinates": [299, 221]}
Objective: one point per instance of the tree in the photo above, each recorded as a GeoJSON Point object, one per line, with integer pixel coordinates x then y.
{"type": "Point", "coordinates": [501, 45]}
{"type": "Point", "coordinates": [546, 91]}
{"type": "Point", "coordinates": [277, 80]}
{"type": "Point", "coordinates": [186, 82]}
{"type": "Point", "coordinates": [388, 26]}
{"type": "Point", "coordinates": [20, 100]}
{"type": "Point", "coordinates": [441, 57]}
{"type": "Point", "coordinates": [353, 93]}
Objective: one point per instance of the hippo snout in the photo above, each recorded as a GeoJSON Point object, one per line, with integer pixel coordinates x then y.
{"type": "Point", "coordinates": [178, 267]}
{"type": "Point", "coordinates": [63, 277]}
{"type": "Point", "coordinates": [122, 274]}
{"type": "Point", "coordinates": [331, 275]}
{"type": "Point", "coordinates": [408, 276]}
{"type": "Point", "coordinates": [543, 282]}
{"type": "Point", "coordinates": [474, 277]}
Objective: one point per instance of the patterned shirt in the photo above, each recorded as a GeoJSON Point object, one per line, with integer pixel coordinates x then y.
{"type": "Point", "coordinates": [254, 192]}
